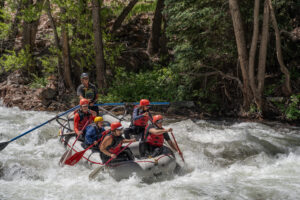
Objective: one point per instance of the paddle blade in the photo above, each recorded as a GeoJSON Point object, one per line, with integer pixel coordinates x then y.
{"type": "Point", "coordinates": [95, 172]}
{"type": "Point", "coordinates": [3, 145]}
{"type": "Point", "coordinates": [75, 158]}
{"type": "Point", "coordinates": [64, 157]}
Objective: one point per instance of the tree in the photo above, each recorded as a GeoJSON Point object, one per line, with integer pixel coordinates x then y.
{"type": "Point", "coordinates": [153, 42]}
{"type": "Point", "coordinates": [117, 24]}
{"type": "Point", "coordinates": [30, 25]}
{"type": "Point", "coordinates": [98, 45]}
{"type": "Point", "coordinates": [242, 50]}
{"type": "Point", "coordinates": [66, 50]}
{"type": "Point", "coordinates": [61, 86]}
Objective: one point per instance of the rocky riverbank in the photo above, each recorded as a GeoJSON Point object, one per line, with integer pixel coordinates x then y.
{"type": "Point", "coordinates": [15, 91]}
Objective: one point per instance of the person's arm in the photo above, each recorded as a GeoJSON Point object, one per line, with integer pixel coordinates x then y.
{"type": "Point", "coordinates": [79, 92]}
{"type": "Point", "coordinates": [135, 115]}
{"type": "Point", "coordinates": [76, 122]}
{"type": "Point", "coordinates": [105, 143]}
{"type": "Point", "coordinates": [128, 140]}
{"type": "Point", "coordinates": [159, 131]}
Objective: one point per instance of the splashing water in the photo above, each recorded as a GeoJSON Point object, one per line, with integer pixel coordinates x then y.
{"type": "Point", "coordinates": [224, 161]}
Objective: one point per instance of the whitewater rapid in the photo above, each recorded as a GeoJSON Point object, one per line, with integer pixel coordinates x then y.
{"type": "Point", "coordinates": [225, 160]}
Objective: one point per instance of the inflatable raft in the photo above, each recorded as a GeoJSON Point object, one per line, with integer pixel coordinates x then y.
{"type": "Point", "coordinates": [143, 167]}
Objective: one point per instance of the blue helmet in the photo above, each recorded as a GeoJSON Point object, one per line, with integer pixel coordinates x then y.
{"type": "Point", "coordinates": [84, 75]}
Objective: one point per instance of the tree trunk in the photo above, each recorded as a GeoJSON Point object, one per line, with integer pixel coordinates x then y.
{"type": "Point", "coordinates": [287, 85]}
{"type": "Point", "coordinates": [153, 43]}
{"type": "Point", "coordinates": [66, 52]}
{"type": "Point", "coordinates": [98, 45]}
{"type": "Point", "coordinates": [253, 48]}
{"type": "Point", "coordinates": [242, 50]}
{"type": "Point", "coordinates": [263, 56]}
{"type": "Point", "coordinates": [117, 24]}
{"type": "Point", "coordinates": [61, 85]}
{"type": "Point", "coordinates": [10, 42]}
{"type": "Point", "coordinates": [29, 34]}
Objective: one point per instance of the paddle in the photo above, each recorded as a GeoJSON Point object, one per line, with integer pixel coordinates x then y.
{"type": "Point", "coordinates": [78, 155]}
{"type": "Point", "coordinates": [179, 151]}
{"type": "Point", "coordinates": [68, 153]}
{"type": "Point", "coordinates": [4, 144]}
{"type": "Point", "coordinates": [96, 171]}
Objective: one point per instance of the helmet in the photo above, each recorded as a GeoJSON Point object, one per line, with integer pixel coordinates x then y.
{"type": "Point", "coordinates": [84, 75]}
{"type": "Point", "coordinates": [157, 117]}
{"type": "Point", "coordinates": [144, 102]}
{"type": "Point", "coordinates": [115, 125]}
{"type": "Point", "coordinates": [98, 119]}
{"type": "Point", "coordinates": [83, 102]}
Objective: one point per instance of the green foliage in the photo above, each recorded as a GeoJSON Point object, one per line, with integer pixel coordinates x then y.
{"type": "Point", "coordinates": [293, 109]}
{"type": "Point", "coordinates": [200, 34]}
{"type": "Point", "coordinates": [38, 82]}
{"type": "Point", "coordinates": [13, 61]}
{"type": "Point", "coordinates": [155, 85]}
{"type": "Point", "coordinates": [4, 26]}
{"type": "Point", "coordinates": [142, 7]}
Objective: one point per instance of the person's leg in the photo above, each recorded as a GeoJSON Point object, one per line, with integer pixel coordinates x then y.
{"type": "Point", "coordinates": [157, 151]}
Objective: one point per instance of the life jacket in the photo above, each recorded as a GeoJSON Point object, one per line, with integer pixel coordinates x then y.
{"type": "Point", "coordinates": [83, 118]}
{"type": "Point", "coordinates": [116, 144]}
{"type": "Point", "coordinates": [143, 120]}
{"type": "Point", "coordinates": [96, 129]}
{"type": "Point", "coordinates": [154, 140]}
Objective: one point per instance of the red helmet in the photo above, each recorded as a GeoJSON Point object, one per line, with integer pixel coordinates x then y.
{"type": "Point", "coordinates": [115, 125]}
{"type": "Point", "coordinates": [144, 102]}
{"type": "Point", "coordinates": [157, 117]}
{"type": "Point", "coordinates": [84, 102]}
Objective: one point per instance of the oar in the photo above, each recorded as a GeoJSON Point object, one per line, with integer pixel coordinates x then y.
{"type": "Point", "coordinates": [4, 144]}
{"type": "Point", "coordinates": [68, 153]}
{"type": "Point", "coordinates": [179, 151]}
{"type": "Point", "coordinates": [78, 155]}
{"type": "Point", "coordinates": [96, 171]}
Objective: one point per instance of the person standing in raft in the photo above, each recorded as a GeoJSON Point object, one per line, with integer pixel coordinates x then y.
{"type": "Point", "coordinates": [93, 132]}
{"type": "Point", "coordinates": [155, 135]}
{"type": "Point", "coordinates": [83, 116]}
{"type": "Point", "coordinates": [139, 121]}
{"type": "Point", "coordinates": [111, 145]}
{"type": "Point", "coordinates": [88, 91]}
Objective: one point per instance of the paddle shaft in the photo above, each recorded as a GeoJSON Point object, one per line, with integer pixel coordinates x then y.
{"type": "Point", "coordinates": [180, 153]}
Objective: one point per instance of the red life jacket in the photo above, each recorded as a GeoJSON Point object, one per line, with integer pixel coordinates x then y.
{"type": "Point", "coordinates": [84, 117]}
{"type": "Point", "coordinates": [80, 119]}
{"type": "Point", "coordinates": [154, 140]}
{"type": "Point", "coordinates": [143, 120]}
{"type": "Point", "coordinates": [116, 144]}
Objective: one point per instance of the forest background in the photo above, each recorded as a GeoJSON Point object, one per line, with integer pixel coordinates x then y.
{"type": "Point", "coordinates": [230, 57]}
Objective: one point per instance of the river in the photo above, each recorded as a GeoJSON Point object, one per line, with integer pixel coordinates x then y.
{"type": "Point", "coordinates": [225, 160]}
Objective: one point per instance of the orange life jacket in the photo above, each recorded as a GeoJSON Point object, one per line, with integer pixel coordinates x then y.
{"type": "Point", "coordinates": [141, 121]}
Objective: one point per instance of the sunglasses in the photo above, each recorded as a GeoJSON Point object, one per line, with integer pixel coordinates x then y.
{"type": "Point", "coordinates": [85, 105]}
{"type": "Point", "coordinates": [159, 121]}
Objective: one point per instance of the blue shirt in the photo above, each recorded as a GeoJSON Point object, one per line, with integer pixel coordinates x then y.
{"type": "Point", "coordinates": [93, 133]}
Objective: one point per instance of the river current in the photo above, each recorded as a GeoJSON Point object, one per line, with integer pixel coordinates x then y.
{"type": "Point", "coordinates": [224, 160]}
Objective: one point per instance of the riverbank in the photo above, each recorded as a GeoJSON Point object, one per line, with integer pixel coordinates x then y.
{"type": "Point", "coordinates": [15, 91]}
